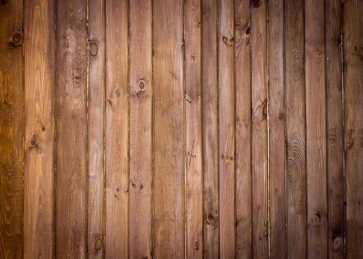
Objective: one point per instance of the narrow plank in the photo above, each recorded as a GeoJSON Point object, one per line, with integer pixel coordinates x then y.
{"type": "Point", "coordinates": [71, 130]}
{"type": "Point", "coordinates": [295, 129]}
{"type": "Point", "coordinates": [117, 131]}
{"type": "Point", "coordinates": [277, 129]}
{"type": "Point", "coordinates": [39, 50]}
{"type": "Point", "coordinates": [243, 129]}
{"type": "Point", "coordinates": [210, 130]}
{"type": "Point", "coordinates": [226, 129]}
{"type": "Point", "coordinates": [259, 129]}
{"type": "Point", "coordinates": [140, 128]}
{"type": "Point", "coordinates": [168, 130]}
{"type": "Point", "coordinates": [11, 129]}
{"type": "Point", "coordinates": [353, 83]}
{"type": "Point", "coordinates": [96, 108]}
{"type": "Point", "coordinates": [333, 30]}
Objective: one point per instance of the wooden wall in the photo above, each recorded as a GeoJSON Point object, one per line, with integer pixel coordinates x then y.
{"type": "Point", "coordinates": [181, 129]}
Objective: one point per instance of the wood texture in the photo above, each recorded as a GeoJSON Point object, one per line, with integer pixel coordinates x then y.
{"type": "Point", "coordinates": [39, 49]}
{"type": "Point", "coordinates": [11, 129]}
{"type": "Point", "coordinates": [168, 128]}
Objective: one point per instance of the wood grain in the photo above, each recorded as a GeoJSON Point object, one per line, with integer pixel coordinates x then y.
{"type": "Point", "coordinates": [39, 50]}
{"type": "Point", "coordinates": [140, 129]}
{"type": "Point", "coordinates": [168, 130]}
{"type": "Point", "coordinates": [11, 129]}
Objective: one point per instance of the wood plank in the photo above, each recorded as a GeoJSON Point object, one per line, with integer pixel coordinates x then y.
{"type": "Point", "coordinates": [168, 130]}
{"type": "Point", "coordinates": [226, 129]}
{"type": "Point", "coordinates": [353, 83]}
{"type": "Point", "coordinates": [140, 128]}
{"type": "Point", "coordinates": [243, 129]}
{"type": "Point", "coordinates": [193, 111]}
{"type": "Point", "coordinates": [117, 131]}
{"type": "Point", "coordinates": [295, 129]}
{"type": "Point", "coordinates": [11, 129]}
{"type": "Point", "coordinates": [277, 128]}
{"type": "Point", "coordinates": [39, 50]}
{"type": "Point", "coordinates": [71, 130]}
{"type": "Point", "coordinates": [96, 119]}
{"type": "Point", "coordinates": [210, 130]}
{"type": "Point", "coordinates": [259, 129]}
{"type": "Point", "coordinates": [333, 30]}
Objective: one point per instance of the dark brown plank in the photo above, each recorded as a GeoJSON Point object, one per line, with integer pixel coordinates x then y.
{"type": "Point", "coordinates": [333, 30]}
{"type": "Point", "coordinates": [210, 130]}
{"type": "Point", "coordinates": [193, 127]}
{"type": "Point", "coordinates": [39, 50]}
{"type": "Point", "coordinates": [96, 119]}
{"type": "Point", "coordinates": [259, 128]}
{"type": "Point", "coordinates": [295, 129]}
{"type": "Point", "coordinates": [140, 128]}
{"type": "Point", "coordinates": [353, 83]}
{"type": "Point", "coordinates": [243, 129]}
{"type": "Point", "coordinates": [11, 129]}
{"type": "Point", "coordinates": [117, 131]}
{"type": "Point", "coordinates": [71, 126]}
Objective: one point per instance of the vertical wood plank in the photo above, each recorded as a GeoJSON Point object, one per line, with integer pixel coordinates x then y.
{"type": "Point", "coordinates": [117, 130]}
{"type": "Point", "coordinates": [277, 129]}
{"type": "Point", "coordinates": [193, 111]}
{"type": "Point", "coordinates": [140, 128]}
{"type": "Point", "coordinates": [295, 129]}
{"type": "Point", "coordinates": [333, 23]}
{"type": "Point", "coordinates": [168, 129]}
{"type": "Point", "coordinates": [11, 129]}
{"type": "Point", "coordinates": [71, 126]}
{"type": "Point", "coordinates": [226, 129]}
{"type": "Point", "coordinates": [259, 129]}
{"type": "Point", "coordinates": [96, 108]}
{"type": "Point", "coordinates": [243, 129]}
{"type": "Point", "coordinates": [210, 129]}
{"type": "Point", "coordinates": [353, 83]}
{"type": "Point", "coordinates": [39, 50]}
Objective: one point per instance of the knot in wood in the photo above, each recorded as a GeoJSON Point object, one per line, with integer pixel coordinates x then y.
{"type": "Point", "coordinates": [93, 48]}
{"type": "Point", "coordinates": [16, 39]}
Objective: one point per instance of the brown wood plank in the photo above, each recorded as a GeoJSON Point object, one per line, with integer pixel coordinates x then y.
{"type": "Point", "coordinates": [193, 111]}
{"type": "Point", "coordinates": [353, 83]}
{"type": "Point", "coordinates": [71, 130]}
{"type": "Point", "coordinates": [168, 130]}
{"type": "Point", "coordinates": [39, 50]}
{"type": "Point", "coordinates": [333, 30]}
{"type": "Point", "coordinates": [11, 129]}
{"type": "Point", "coordinates": [243, 129]}
{"type": "Point", "coordinates": [117, 131]}
{"type": "Point", "coordinates": [259, 129]}
{"type": "Point", "coordinates": [317, 211]}
{"type": "Point", "coordinates": [210, 130]}
{"type": "Point", "coordinates": [226, 129]}
{"type": "Point", "coordinates": [140, 129]}
{"type": "Point", "coordinates": [96, 119]}
{"type": "Point", "coordinates": [277, 129]}
{"type": "Point", "coordinates": [295, 129]}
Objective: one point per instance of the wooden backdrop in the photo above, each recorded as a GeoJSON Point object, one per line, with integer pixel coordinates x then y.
{"type": "Point", "coordinates": [181, 129]}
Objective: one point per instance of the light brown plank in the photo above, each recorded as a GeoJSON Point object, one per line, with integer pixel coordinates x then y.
{"type": "Point", "coordinates": [39, 50]}
{"type": "Point", "coordinates": [353, 83]}
{"type": "Point", "coordinates": [168, 127]}
{"type": "Point", "coordinates": [71, 130]}
{"type": "Point", "coordinates": [210, 130]}
{"type": "Point", "coordinates": [11, 129]}
{"type": "Point", "coordinates": [226, 129]}
{"type": "Point", "coordinates": [259, 129]}
{"type": "Point", "coordinates": [295, 129]}
{"type": "Point", "coordinates": [96, 119]}
{"type": "Point", "coordinates": [333, 30]}
{"type": "Point", "coordinates": [140, 128]}
{"type": "Point", "coordinates": [243, 129]}
{"type": "Point", "coordinates": [117, 131]}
